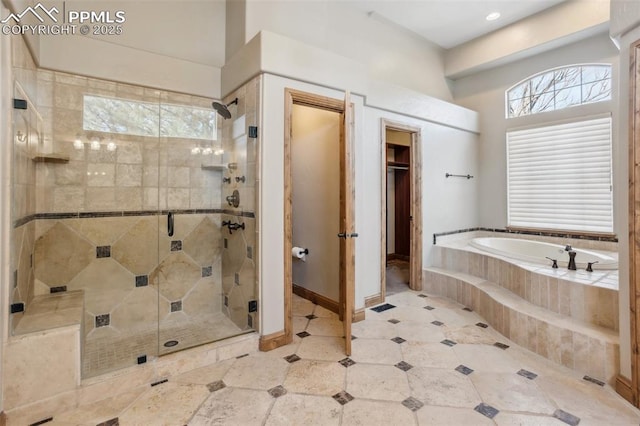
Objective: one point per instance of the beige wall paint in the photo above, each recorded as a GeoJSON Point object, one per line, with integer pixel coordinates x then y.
{"type": "Point", "coordinates": [315, 173]}
{"type": "Point", "coordinates": [567, 22]}
{"type": "Point", "coordinates": [388, 52]}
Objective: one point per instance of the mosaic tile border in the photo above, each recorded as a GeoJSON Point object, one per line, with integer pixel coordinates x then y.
{"type": "Point", "coordinates": [577, 236]}
{"type": "Point", "coordinates": [84, 215]}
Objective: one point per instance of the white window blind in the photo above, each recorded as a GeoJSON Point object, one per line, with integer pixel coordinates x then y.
{"type": "Point", "coordinates": [559, 177]}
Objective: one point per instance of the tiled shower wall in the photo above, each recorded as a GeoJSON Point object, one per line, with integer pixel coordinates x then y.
{"type": "Point", "coordinates": [128, 269]}
{"type": "Point", "coordinates": [141, 173]}
{"type": "Point", "coordinates": [96, 226]}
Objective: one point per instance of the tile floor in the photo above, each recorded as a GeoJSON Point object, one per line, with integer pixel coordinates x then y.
{"type": "Point", "coordinates": [107, 350]}
{"type": "Point", "coordinates": [405, 370]}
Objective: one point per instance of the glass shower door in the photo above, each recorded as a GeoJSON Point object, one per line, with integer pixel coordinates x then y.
{"type": "Point", "coordinates": [190, 244]}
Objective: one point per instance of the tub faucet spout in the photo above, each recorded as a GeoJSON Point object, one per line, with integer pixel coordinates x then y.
{"type": "Point", "coordinates": [572, 260]}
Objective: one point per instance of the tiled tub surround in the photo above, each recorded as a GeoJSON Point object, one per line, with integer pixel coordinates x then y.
{"type": "Point", "coordinates": [569, 317]}
{"type": "Point", "coordinates": [591, 297]}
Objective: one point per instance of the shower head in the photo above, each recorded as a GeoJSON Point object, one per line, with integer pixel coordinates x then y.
{"type": "Point", "coordinates": [223, 109]}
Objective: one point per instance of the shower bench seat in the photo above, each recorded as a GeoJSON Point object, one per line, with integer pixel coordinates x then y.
{"type": "Point", "coordinates": [43, 356]}
{"type": "Point", "coordinates": [49, 311]}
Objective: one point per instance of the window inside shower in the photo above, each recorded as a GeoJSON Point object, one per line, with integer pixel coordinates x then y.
{"type": "Point", "coordinates": [131, 211]}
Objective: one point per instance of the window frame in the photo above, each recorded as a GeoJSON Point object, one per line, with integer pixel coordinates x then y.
{"type": "Point", "coordinates": [555, 91]}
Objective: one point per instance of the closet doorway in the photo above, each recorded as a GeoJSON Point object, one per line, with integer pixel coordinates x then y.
{"type": "Point", "coordinates": [401, 249]}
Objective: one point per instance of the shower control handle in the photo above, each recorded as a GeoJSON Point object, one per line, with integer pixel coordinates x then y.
{"type": "Point", "coordinates": [342, 235]}
{"type": "Point", "coordinates": [170, 224]}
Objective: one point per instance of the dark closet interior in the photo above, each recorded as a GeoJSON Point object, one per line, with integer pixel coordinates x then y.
{"type": "Point", "coordinates": [398, 160]}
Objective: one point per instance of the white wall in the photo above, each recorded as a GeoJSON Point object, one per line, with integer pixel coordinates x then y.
{"type": "Point", "coordinates": [388, 52]}
{"type": "Point", "coordinates": [485, 92]}
{"type": "Point", "coordinates": [447, 204]}
{"type": "Point", "coordinates": [315, 179]}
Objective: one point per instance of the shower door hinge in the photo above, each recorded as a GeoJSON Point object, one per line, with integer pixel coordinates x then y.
{"type": "Point", "coordinates": [19, 104]}
{"type": "Point", "coordinates": [17, 307]}
{"type": "Point", "coordinates": [253, 131]}
{"type": "Point", "coordinates": [253, 305]}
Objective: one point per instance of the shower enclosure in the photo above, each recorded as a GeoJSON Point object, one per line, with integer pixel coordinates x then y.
{"type": "Point", "coordinates": [143, 202]}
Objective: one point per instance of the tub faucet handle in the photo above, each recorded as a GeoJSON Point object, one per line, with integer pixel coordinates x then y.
{"type": "Point", "coordinates": [555, 262]}
{"type": "Point", "coordinates": [589, 266]}
{"type": "Point", "coordinates": [568, 247]}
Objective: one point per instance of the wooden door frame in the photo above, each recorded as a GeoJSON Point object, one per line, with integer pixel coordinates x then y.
{"type": "Point", "coordinates": [627, 389]}
{"type": "Point", "coordinates": [297, 97]}
{"type": "Point", "coordinates": [415, 171]}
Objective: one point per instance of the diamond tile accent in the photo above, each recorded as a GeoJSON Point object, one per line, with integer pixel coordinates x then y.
{"type": "Point", "coordinates": [404, 366]}
{"type": "Point", "coordinates": [592, 380]}
{"type": "Point", "coordinates": [176, 245]}
{"type": "Point", "coordinates": [303, 334]}
{"type": "Point", "coordinates": [103, 320]}
{"type": "Point", "coordinates": [103, 251]}
{"type": "Point", "coordinates": [292, 358]}
{"type": "Point", "coordinates": [382, 308]}
{"type": "Point", "coordinates": [310, 316]}
{"type": "Point", "coordinates": [482, 325]}
{"type": "Point", "coordinates": [277, 391]}
{"type": "Point", "coordinates": [448, 342]}
{"type": "Point", "coordinates": [467, 309]}
{"type": "Point", "coordinates": [217, 385]}
{"type": "Point", "coordinates": [142, 280]}
{"type": "Point", "coordinates": [412, 404]}
{"type": "Point", "coordinates": [343, 397]}
{"type": "Point", "coordinates": [528, 374]}
{"type": "Point", "coordinates": [501, 345]}
{"type": "Point", "coordinates": [438, 323]}
{"type": "Point", "coordinates": [207, 271]}
{"type": "Point", "coordinates": [398, 340]}
{"type": "Point", "coordinates": [464, 369]}
{"type": "Point", "coordinates": [347, 362]}
{"type": "Point", "coordinates": [422, 295]}
{"type": "Point", "coordinates": [486, 410]}
{"type": "Point", "coordinates": [429, 308]}
{"type": "Point", "coordinates": [176, 306]}
{"type": "Point", "coordinates": [567, 418]}
{"type": "Point", "coordinates": [393, 321]}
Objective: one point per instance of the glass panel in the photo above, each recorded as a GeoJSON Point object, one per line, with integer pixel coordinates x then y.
{"type": "Point", "coordinates": [120, 116]}
{"type": "Point", "coordinates": [192, 306]}
{"type": "Point", "coordinates": [542, 83]}
{"type": "Point", "coordinates": [595, 72]}
{"type": "Point", "coordinates": [568, 97]}
{"type": "Point", "coordinates": [520, 91]}
{"type": "Point", "coordinates": [596, 91]}
{"type": "Point", "coordinates": [102, 226]}
{"type": "Point", "coordinates": [567, 77]}
{"type": "Point", "coordinates": [542, 102]}
{"type": "Point", "coordinates": [519, 107]}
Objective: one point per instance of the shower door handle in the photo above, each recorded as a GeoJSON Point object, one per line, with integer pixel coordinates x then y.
{"type": "Point", "coordinates": [170, 224]}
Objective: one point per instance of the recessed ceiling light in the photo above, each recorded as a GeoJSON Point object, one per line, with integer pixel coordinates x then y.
{"type": "Point", "coordinates": [493, 16]}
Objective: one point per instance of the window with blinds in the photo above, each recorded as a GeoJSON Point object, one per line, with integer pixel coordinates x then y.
{"type": "Point", "coordinates": [559, 177]}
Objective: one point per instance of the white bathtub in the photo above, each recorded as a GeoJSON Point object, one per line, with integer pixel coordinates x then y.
{"type": "Point", "coordinates": [537, 251]}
